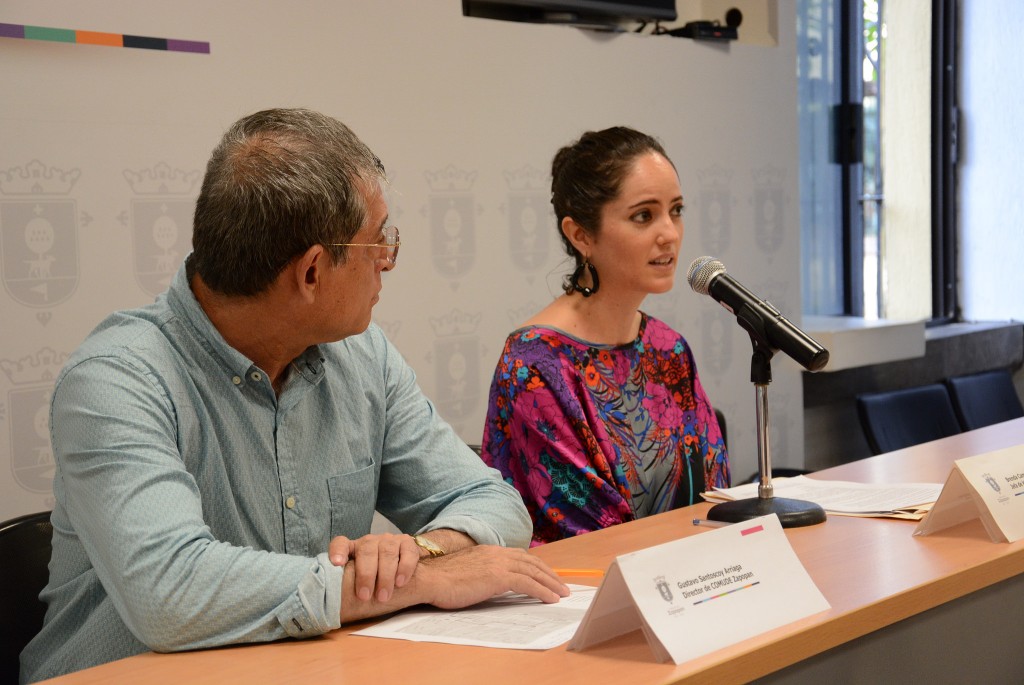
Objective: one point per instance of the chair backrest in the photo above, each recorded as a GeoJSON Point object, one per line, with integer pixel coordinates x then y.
{"type": "Point", "coordinates": [24, 561]}
{"type": "Point", "coordinates": [720, 417]}
{"type": "Point", "coordinates": [900, 418]}
{"type": "Point", "coordinates": [982, 399]}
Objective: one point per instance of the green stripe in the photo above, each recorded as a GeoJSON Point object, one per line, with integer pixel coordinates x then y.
{"type": "Point", "coordinates": [43, 33]}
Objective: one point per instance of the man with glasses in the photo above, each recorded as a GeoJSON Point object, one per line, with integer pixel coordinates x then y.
{"type": "Point", "coordinates": [220, 453]}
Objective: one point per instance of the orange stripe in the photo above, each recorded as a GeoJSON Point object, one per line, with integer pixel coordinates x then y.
{"type": "Point", "coordinates": [97, 38]}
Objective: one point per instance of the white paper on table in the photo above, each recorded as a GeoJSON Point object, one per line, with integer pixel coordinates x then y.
{"type": "Point", "coordinates": [988, 486]}
{"type": "Point", "coordinates": [704, 592]}
{"type": "Point", "coordinates": [839, 496]}
{"type": "Point", "coordinates": [510, 621]}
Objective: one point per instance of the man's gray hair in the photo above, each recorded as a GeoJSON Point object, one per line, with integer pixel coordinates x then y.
{"type": "Point", "coordinates": [279, 182]}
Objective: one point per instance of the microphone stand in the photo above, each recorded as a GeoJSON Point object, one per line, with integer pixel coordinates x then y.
{"type": "Point", "coordinates": [793, 513]}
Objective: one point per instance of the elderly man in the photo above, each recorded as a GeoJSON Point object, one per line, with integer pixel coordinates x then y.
{"type": "Point", "coordinates": [220, 453]}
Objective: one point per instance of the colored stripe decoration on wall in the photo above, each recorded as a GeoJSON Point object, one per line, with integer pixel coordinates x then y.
{"type": "Point", "coordinates": [115, 40]}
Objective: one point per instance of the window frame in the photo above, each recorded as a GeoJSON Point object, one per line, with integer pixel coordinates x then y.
{"type": "Point", "coordinates": [847, 129]}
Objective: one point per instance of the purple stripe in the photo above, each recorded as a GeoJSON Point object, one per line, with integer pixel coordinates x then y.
{"type": "Point", "coordinates": [188, 46]}
{"type": "Point", "coordinates": [12, 31]}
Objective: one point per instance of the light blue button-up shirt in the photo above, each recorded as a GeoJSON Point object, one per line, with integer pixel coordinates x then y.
{"type": "Point", "coordinates": [194, 506]}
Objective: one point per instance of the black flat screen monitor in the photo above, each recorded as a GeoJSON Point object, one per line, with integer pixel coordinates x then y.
{"type": "Point", "coordinates": [598, 13]}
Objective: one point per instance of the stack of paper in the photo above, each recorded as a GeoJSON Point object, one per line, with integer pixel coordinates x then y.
{"type": "Point", "coordinates": [845, 498]}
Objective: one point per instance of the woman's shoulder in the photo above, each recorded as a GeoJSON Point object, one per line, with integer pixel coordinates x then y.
{"type": "Point", "coordinates": [539, 337]}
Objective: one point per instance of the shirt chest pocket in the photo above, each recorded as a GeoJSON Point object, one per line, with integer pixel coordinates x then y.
{"type": "Point", "coordinates": [353, 496]}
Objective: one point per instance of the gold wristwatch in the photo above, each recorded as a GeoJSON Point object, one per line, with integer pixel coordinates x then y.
{"type": "Point", "coordinates": [433, 549]}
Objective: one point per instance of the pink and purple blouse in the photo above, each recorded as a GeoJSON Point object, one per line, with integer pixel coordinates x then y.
{"type": "Point", "coordinates": [594, 435]}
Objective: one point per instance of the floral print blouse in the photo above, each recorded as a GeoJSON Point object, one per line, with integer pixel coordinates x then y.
{"type": "Point", "coordinates": [594, 435]}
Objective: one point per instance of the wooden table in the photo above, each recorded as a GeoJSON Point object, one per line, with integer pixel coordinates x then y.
{"type": "Point", "coordinates": [872, 571]}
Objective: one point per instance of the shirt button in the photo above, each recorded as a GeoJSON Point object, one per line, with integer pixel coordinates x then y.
{"type": "Point", "coordinates": [256, 376]}
{"type": "Point", "coordinates": [236, 380]}
{"type": "Point", "coordinates": [290, 502]}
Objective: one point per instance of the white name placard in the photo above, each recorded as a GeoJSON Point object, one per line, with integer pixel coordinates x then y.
{"type": "Point", "coordinates": [701, 593]}
{"type": "Point", "coordinates": [988, 486]}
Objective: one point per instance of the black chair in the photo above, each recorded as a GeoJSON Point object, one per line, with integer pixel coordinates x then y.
{"type": "Point", "coordinates": [982, 399]}
{"type": "Point", "coordinates": [896, 419]}
{"type": "Point", "coordinates": [721, 426]}
{"type": "Point", "coordinates": [780, 472]}
{"type": "Point", "coordinates": [24, 560]}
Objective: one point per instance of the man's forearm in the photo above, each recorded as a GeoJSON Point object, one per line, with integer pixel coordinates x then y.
{"type": "Point", "coordinates": [457, 580]}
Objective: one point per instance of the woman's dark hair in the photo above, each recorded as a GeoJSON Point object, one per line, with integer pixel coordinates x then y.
{"type": "Point", "coordinates": [588, 174]}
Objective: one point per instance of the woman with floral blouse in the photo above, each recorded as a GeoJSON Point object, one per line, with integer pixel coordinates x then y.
{"type": "Point", "coordinates": [596, 413]}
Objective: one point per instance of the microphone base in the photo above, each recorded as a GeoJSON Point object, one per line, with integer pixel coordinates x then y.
{"type": "Point", "coordinates": [793, 513]}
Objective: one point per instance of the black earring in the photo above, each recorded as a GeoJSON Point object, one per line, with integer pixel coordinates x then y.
{"type": "Point", "coordinates": [595, 282]}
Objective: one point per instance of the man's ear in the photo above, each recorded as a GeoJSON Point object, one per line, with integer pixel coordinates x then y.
{"type": "Point", "coordinates": [307, 271]}
{"type": "Point", "coordinates": [577, 235]}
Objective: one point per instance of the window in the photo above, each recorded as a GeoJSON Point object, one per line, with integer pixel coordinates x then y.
{"type": "Point", "coordinates": [878, 152]}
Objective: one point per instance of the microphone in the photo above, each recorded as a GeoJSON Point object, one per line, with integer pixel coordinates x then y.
{"type": "Point", "coordinates": [707, 276]}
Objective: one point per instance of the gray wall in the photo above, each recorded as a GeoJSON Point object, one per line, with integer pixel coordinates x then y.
{"type": "Point", "coordinates": [102, 150]}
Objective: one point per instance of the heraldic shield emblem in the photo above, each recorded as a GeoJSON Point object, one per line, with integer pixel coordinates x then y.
{"type": "Point", "coordinates": [452, 220]}
{"type": "Point", "coordinates": [529, 217]}
{"type": "Point", "coordinates": [29, 385]}
{"type": "Point", "coordinates": [38, 234]}
{"type": "Point", "coordinates": [161, 223]}
{"type": "Point", "coordinates": [456, 356]}
{"type": "Point", "coordinates": [161, 235]}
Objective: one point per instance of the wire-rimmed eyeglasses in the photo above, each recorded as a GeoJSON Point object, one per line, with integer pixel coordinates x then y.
{"type": "Point", "coordinates": [389, 241]}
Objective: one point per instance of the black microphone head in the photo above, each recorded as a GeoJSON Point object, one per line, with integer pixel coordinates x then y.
{"type": "Point", "coordinates": [702, 271]}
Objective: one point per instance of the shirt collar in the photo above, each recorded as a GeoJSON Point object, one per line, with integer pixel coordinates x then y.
{"type": "Point", "coordinates": [183, 302]}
